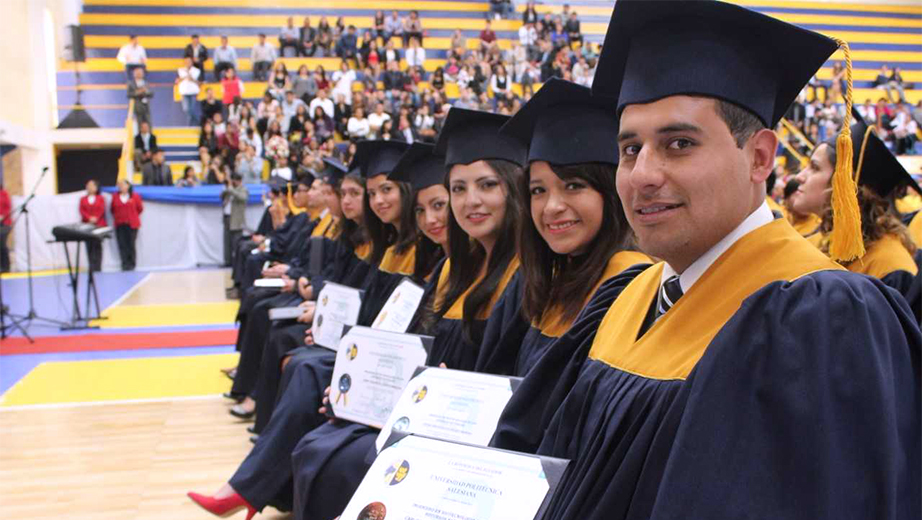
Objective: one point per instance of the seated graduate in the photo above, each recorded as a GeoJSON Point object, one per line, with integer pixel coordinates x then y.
{"type": "Point", "coordinates": [743, 376]}
{"type": "Point", "coordinates": [483, 178]}
{"type": "Point", "coordinates": [805, 223]}
{"type": "Point", "coordinates": [392, 252]}
{"type": "Point", "coordinates": [574, 235]}
{"type": "Point", "coordinates": [889, 248]}
{"type": "Point", "coordinates": [264, 477]}
{"type": "Point", "coordinates": [248, 242]}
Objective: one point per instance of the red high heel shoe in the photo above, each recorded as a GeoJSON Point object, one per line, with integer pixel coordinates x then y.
{"type": "Point", "coordinates": [223, 507]}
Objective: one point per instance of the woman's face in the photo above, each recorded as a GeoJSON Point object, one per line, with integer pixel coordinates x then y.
{"type": "Point", "coordinates": [315, 198]}
{"type": "Point", "coordinates": [432, 213]}
{"type": "Point", "coordinates": [384, 198]}
{"type": "Point", "coordinates": [91, 188]}
{"type": "Point", "coordinates": [566, 213]}
{"type": "Point", "coordinates": [813, 194]}
{"type": "Point", "coordinates": [478, 200]}
{"type": "Point", "coordinates": [331, 200]}
{"type": "Point", "coordinates": [122, 187]}
{"type": "Point", "coordinates": [351, 201]}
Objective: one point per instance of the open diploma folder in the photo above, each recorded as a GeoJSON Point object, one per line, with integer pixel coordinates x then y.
{"type": "Point", "coordinates": [337, 306]}
{"type": "Point", "coordinates": [417, 478]}
{"type": "Point", "coordinates": [451, 405]}
{"type": "Point", "coordinates": [372, 368]}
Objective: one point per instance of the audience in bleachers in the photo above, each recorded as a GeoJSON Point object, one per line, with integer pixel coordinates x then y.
{"type": "Point", "coordinates": [382, 89]}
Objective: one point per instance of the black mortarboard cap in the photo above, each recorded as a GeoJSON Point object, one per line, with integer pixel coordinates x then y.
{"type": "Point", "coordinates": [335, 170]}
{"type": "Point", "coordinates": [471, 135]}
{"type": "Point", "coordinates": [671, 47]}
{"type": "Point", "coordinates": [373, 158]}
{"type": "Point", "coordinates": [420, 167]}
{"type": "Point", "coordinates": [880, 170]}
{"type": "Point", "coordinates": [563, 124]}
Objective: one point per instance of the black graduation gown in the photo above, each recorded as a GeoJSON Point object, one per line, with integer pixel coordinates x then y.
{"type": "Point", "coordinates": [796, 398]}
{"type": "Point", "coordinates": [330, 461]}
{"type": "Point", "coordinates": [550, 367]}
{"type": "Point", "coordinates": [260, 479]}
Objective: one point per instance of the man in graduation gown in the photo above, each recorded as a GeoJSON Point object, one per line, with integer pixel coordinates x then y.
{"type": "Point", "coordinates": [747, 375]}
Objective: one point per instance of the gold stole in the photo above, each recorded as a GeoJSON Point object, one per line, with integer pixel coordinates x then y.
{"type": "Point", "coordinates": [456, 311]}
{"type": "Point", "coordinates": [915, 229]}
{"type": "Point", "coordinates": [884, 257]}
{"type": "Point", "coordinates": [807, 225]}
{"type": "Point", "coordinates": [403, 263]}
{"type": "Point", "coordinates": [551, 324]}
{"type": "Point", "coordinates": [363, 250]}
{"type": "Point", "coordinates": [321, 227]}
{"type": "Point", "coordinates": [671, 348]}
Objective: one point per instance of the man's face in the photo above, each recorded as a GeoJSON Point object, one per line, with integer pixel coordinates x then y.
{"type": "Point", "coordinates": [145, 128]}
{"type": "Point", "coordinates": [683, 181]}
{"type": "Point", "coordinates": [223, 41]}
{"type": "Point", "coordinates": [138, 74]}
{"type": "Point", "coordinates": [209, 94]}
{"type": "Point", "coordinates": [195, 41]}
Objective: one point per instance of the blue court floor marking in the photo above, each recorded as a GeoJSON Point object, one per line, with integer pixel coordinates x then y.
{"type": "Point", "coordinates": [53, 298]}
{"type": "Point", "coordinates": [14, 368]}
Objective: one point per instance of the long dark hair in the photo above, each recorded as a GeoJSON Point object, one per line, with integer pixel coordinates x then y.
{"type": "Point", "coordinates": [351, 233]}
{"type": "Point", "coordinates": [384, 235]}
{"type": "Point", "coordinates": [428, 253]}
{"type": "Point", "coordinates": [564, 281]}
{"type": "Point", "coordinates": [467, 256]}
{"type": "Point", "coordinates": [878, 214]}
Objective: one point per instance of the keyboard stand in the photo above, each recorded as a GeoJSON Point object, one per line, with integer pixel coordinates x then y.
{"type": "Point", "coordinates": [79, 322]}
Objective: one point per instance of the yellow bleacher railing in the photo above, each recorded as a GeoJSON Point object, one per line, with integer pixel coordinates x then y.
{"type": "Point", "coordinates": [792, 128]}
{"type": "Point", "coordinates": [787, 146]}
{"type": "Point", "coordinates": [126, 162]}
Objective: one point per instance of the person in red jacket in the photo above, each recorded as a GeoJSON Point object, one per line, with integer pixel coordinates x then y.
{"type": "Point", "coordinates": [126, 215]}
{"type": "Point", "coordinates": [93, 211]}
{"type": "Point", "coordinates": [6, 208]}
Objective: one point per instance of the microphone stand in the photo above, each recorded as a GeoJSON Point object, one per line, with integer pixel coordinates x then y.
{"type": "Point", "coordinates": [23, 210]}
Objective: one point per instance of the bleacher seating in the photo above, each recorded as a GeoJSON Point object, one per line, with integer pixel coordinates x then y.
{"type": "Point", "coordinates": [878, 34]}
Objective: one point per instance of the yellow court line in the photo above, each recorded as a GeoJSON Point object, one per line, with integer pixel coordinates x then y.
{"type": "Point", "coordinates": [120, 379]}
{"type": "Point", "coordinates": [169, 315]}
{"type": "Point", "coordinates": [49, 272]}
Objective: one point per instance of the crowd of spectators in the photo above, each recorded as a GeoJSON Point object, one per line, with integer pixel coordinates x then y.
{"type": "Point", "coordinates": [383, 90]}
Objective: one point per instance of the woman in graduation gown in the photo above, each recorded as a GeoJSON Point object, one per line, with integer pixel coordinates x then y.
{"type": "Point", "coordinates": [483, 179]}
{"type": "Point", "coordinates": [262, 479]}
{"type": "Point", "coordinates": [748, 375]}
{"type": "Point", "coordinates": [889, 248]}
{"type": "Point", "coordinates": [574, 235]}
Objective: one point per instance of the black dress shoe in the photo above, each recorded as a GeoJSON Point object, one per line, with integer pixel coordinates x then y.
{"type": "Point", "coordinates": [238, 412]}
{"type": "Point", "coordinates": [254, 438]}
{"type": "Point", "coordinates": [234, 396]}
{"type": "Point", "coordinates": [252, 429]}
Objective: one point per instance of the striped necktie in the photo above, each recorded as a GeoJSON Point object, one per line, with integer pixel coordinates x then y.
{"type": "Point", "coordinates": [669, 295]}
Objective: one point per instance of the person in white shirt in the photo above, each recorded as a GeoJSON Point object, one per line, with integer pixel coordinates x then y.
{"type": "Point", "coordinates": [262, 57]}
{"type": "Point", "coordinates": [343, 80]}
{"type": "Point", "coordinates": [904, 130]}
{"type": "Point", "coordinates": [358, 126]}
{"type": "Point", "coordinates": [132, 56]}
{"type": "Point", "coordinates": [249, 165]}
{"type": "Point", "coordinates": [282, 169]}
{"type": "Point", "coordinates": [187, 80]}
{"type": "Point", "coordinates": [415, 55]}
{"type": "Point", "coordinates": [376, 120]}
{"type": "Point", "coordinates": [322, 101]}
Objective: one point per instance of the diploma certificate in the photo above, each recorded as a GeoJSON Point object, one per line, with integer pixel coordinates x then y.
{"type": "Point", "coordinates": [450, 405]}
{"type": "Point", "coordinates": [418, 478]}
{"type": "Point", "coordinates": [398, 312]}
{"type": "Point", "coordinates": [372, 368]}
{"type": "Point", "coordinates": [337, 306]}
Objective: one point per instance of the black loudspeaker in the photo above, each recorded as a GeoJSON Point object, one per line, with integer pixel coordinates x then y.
{"type": "Point", "coordinates": [74, 49]}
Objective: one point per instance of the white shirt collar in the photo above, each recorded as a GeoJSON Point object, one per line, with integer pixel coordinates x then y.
{"type": "Point", "coordinates": [758, 218]}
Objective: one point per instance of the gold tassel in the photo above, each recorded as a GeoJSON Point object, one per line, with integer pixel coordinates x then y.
{"type": "Point", "coordinates": [845, 242]}
{"type": "Point", "coordinates": [295, 210]}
